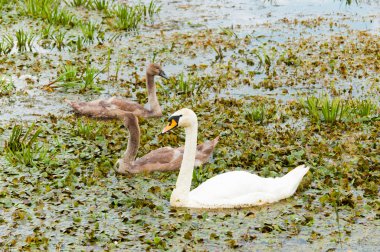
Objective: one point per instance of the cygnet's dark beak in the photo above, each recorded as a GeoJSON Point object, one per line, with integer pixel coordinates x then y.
{"type": "Point", "coordinates": [163, 75]}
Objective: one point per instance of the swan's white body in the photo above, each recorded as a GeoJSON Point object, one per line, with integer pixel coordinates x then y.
{"type": "Point", "coordinates": [234, 189]}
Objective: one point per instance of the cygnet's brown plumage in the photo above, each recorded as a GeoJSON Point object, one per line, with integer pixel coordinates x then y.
{"type": "Point", "coordinates": [105, 108]}
{"type": "Point", "coordinates": [163, 159]}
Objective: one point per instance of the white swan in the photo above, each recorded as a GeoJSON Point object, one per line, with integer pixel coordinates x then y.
{"type": "Point", "coordinates": [234, 189]}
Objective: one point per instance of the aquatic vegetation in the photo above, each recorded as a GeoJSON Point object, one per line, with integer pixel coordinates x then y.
{"type": "Point", "coordinates": [151, 10]}
{"type": "Point", "coordinates": [364, 108]}
{"type": "Point", "coordinates": [6, 44]}
{"type": "Point", "coordinates": [22, 147]}
{"type": "Point", "coordinates": [132, 213]}
{"type": "Point", "coordinates": [127, 17]}
{"type": "Point", "coordinates": [24, 40]}
{"type": "Point", "coordinates": [7, 86]}
{"type": "Point", "coordinates": [326, 109]}
{"type": "Point", "coordinates": [89, 29]}
{"type": "Point", "coordinates": [59, 39]}
{"type": "Point", "coordinates": [50, 11]}
{"type": "Point", "coordinates": [77, 3]}
{"type": "Point", "coordinates": [255, 114]}
{"type": "Point", "coordinates": [101, 5]}
{"type": "Point", "coordinates": [86, 129]}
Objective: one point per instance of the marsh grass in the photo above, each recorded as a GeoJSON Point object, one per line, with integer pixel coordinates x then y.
{"type": "Point", "coordinates": [86, 130]}
{"type": "Point", "coordinates": [255, 114]}
{"type": "Point", "coordinates": [77, 3]}
{"type": "Point", "coordinates": [101, 5]}
{"type": "Point", "coordinates": [364, 108]}
{"type": "Point", "coordinates": [219, 53]}
{"type": "Point", "coordinates": [151, 10]}
{"type": "Point", "coordinates": [326, 110]}
{"type": "Point", "coordinates": [88, 30]}
{"type": "Point", "coordinates": [59, 39]}
{"type": "Point", "coordinates": [24, 40]}
{"type": "Point", "coordinates": [6, 44]}
{"type": "Point", "coordinates": [49, 11]}
{"type": "Point", "coordinates": [127, 17]}
{"type": "Point", "coordinates": [23, 147]}
{"type": "Point", "coordinates": [7, 86]}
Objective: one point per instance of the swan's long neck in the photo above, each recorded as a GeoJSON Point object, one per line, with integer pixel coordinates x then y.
{"type": "Point", "coordinates": [133, 141]}
{"type": "Point", "coordinates": [186, 171]}
{"type": "Point", "coordinates": [152, 96]}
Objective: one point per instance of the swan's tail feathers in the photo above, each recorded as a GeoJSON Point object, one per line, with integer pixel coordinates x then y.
{"type": "Point", "coordinates": [293, 179]}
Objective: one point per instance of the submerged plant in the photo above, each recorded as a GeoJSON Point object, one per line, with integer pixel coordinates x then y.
{"type": "Point", "coordinates": [23, 147]}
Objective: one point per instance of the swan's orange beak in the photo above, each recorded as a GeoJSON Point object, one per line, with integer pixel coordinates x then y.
{"type": "Point", "coordinates": [171, 125]}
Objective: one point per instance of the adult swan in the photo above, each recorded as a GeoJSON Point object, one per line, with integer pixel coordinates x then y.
{"type": "Point", "coordinates": [233, 189]}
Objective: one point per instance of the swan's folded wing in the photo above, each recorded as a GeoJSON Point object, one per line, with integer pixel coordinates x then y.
{"type": "Point", "coordinates": [204, 151]}
{"type": "Point", "coordinates": [163, 159]}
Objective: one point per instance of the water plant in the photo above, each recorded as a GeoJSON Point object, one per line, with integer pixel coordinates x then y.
{"type": "Point", "coordinates": [77, 3]}
{"type": "Point", "coordinates": [151, 10]}
{"type": "Point", "coordinates": [101, 5]}
{"type": "Point", "coordinates": [59, 39]}
{"type": "Point", "coordinates": [86, 129]}
{"type": "Point", "coordinates": [49, 11]}
{"type": "Point", "coordinates": [127, 17]}
{"type": "Point", "coordinates": [88, 31]}
{"type": "Point", "coordinates": [23, 147]}
{"type": "Point", "coordinates": [326, 109]}
{"type": "Point", "coordinates": [6, 44]}
{"type": "Point", "coordinates": [364, 108]}
{"type": "Point", "coordinates": [7, 86]}
{"type": "Point", "coordinates": [255, 114]}
{"type": "Point", "coordinates": [24, 40]}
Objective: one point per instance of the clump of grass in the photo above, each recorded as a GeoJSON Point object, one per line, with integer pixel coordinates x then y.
{"type": "Point", "coordinates": [7, 86]}
{"type": "Point", "coordinates": [85, 130]}
{"type": "Point", "coordinates": [24, 40]}
{"type": "Point", "coordinates": [151, 10]}
{"type": "Point", "coordinates": [101, 5]}
{"type": "Point", "coordinates": [77, 3]}
{"type": "Point", "coordinates": [219, 53]}
{"type": "Point", "coordinates": [6, 45]}
{"type": "Point", "coordinates": [255, 114]}
{"type": "Point", "coordinates": [88, 31]}
{"type": "Point", "coordinates": [49, 11]}
{"type": "Point", "coordinates": [23, 147]}
{"type": "Point", "coordinates": [326, 109]}
{"type": "Point", "coordinates": [127, 17]}
{"type": "Point", "coordinates": [59, 39]}
{"type": "Point", "coordinates": [364, 108]}
{"type": "Point", "coordinates": [72, 78]}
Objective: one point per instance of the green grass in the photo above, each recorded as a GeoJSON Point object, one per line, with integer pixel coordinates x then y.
{"type": "Point", "coordinates": [24, 40]}
{"type": "Point", "coordinates": [324, 109]}
{"type": "Point", "coordinates": [127, 17]}
{"type": "Point", "coordinates": [50, 11]}
{"type": "Point", "coordinates": [23, 147]}
{"type": "Point", "coordinates": [150, 10]}
{"type": "Point", "coordinates": [255, 114]}
{"type": "Point", "coordinates": [89, 30]}
{"type": "Point", "coordinates": [86, 130]}
{"type": "Point", "coordinates": [364, 108]}
{"type": "Point", "coordinates": [7, 86]}
{"type": "Point", "coordinates": [101, 5]}
{"type": "Point", "coordinates": [6, 44]}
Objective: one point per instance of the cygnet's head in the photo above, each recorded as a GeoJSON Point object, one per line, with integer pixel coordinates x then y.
{"type": "Point", "coordinates": [183, 118]}
{"type": "Point", "coordinates": [155, 69]}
